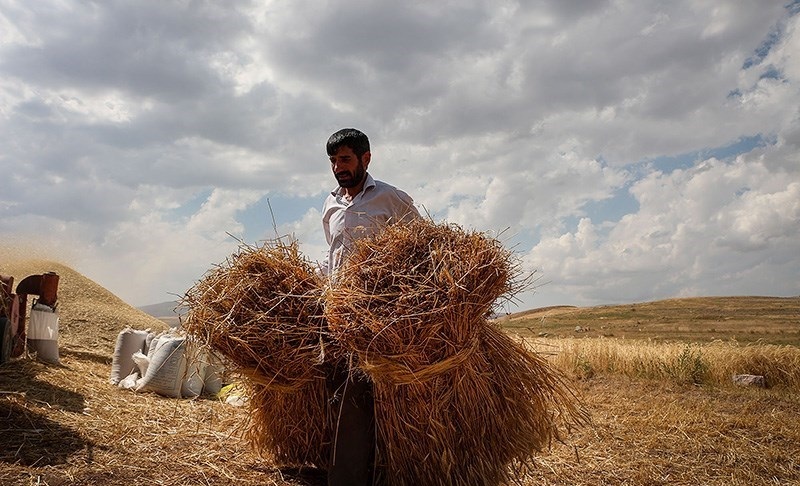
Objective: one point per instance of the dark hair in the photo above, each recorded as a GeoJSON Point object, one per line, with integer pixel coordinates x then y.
{"type": "Point", "coordinates": [348, 137]}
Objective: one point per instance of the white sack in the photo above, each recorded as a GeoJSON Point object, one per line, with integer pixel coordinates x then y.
{"type": "Point", "coordinates": [196, 361]}
{"type": "Point", "coordinates": [153, 345]}
{"type": "Point", "coordinates": [214, 373]}
{"type": "Point", "coordinates": [129, 341]}
{"type": "Point", "coordinates": [142, 362]}
{"type": "Point", "coordinates": [129, 382]}
{"type": "Point", "coordinates": [42, 333]}
{"type": "Point", "coordinates": [166, 369]}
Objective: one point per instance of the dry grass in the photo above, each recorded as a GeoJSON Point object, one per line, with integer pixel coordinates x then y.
{"type": "Point", "coordinates": [698, 363]}
{"type": "Point", "coordinates": [262, 311]}
{"type": "Point", "coordinates": [410, 307]}
{"type": "Point", "coordinates": [65, 425]}
{"type": "Point", "coordinates": [746, 319]}
{"type": "Point", "coordinates": [662, 434]}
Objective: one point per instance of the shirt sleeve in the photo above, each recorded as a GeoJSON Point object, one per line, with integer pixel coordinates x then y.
{"type": "Point", "coordinates": [405, 210]}
{"type": "Point", "coordinates": [326, 228]}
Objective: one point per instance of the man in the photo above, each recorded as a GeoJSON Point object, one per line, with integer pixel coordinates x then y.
{"type": "Point", "coordinates": [358, 208]}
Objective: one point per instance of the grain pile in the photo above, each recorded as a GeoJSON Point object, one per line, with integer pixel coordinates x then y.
{"type": "Point", "coordinates": [457, 401]}
{"type": "Point", "coordinates": [262, 310]}
{"type": "Point", "coordinates": [90, 315]}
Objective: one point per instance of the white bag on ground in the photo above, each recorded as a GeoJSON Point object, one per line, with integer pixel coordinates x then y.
{"type": "Point", "coordinates": [129, 382]}
{"type": "Point", "coordinates": [215, 370]}
{"type": "Point", "coordinates": [167, 368]}
{"type": "Point", "coordinates": [148, 342]}
{"type": "Point", "coordinates": [142, 362]}
{"type": "Point", "coordinates": [43, 333]}
{"type": "Point", "coordinates": [129, 341]}
{"type": "Point", "coordinates": [196, 362]}
{"type": "Point", "coordinates": [152, 345]}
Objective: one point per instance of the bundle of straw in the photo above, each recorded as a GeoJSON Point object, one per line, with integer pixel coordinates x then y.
{"type": "Point", "coordinates": [262, 310]}
{"type": "Point", "coordinates": [457, 401]}
{"type": "Point", "coordinates": [424, 285]}
{"type": "Point", "coordinates": [294, 428]}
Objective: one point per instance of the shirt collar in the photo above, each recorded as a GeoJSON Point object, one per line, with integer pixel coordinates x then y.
{"type": "Point", "coordinates": [369, 183]}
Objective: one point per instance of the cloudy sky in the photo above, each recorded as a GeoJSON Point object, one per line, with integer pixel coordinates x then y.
{"type": "Point", "coordinates": [627, 150]}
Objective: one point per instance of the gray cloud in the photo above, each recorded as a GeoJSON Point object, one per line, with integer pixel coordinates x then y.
{"type": "Point", "coordinates": [150, 49]}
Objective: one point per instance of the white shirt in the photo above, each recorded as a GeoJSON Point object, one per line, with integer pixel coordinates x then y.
{"type": "Point", "coordinates": [344, 222]}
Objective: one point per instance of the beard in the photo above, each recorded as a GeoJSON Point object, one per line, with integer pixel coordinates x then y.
{"type": "Point", "coordinates": [349, 179]}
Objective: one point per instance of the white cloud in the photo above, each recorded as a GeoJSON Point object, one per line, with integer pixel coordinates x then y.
{"type": "Point", "coordinates": [699, 231]}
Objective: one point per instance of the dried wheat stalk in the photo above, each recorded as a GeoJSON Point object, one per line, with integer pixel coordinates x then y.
{"type": "Point", "coordinates": [457, 401]}
{"type": "Point", "coordinates": [262, 310]}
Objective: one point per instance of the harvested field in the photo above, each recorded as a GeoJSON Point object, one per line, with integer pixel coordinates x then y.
{"type": "Point", "coordinates": [656, 433]}
{"type": "Point", "coordinates": [67, 425]}
{"type": "Point", "coordinates": [747, 319]}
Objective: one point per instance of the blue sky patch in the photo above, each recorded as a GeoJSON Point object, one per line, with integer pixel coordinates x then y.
{"type": "Point", "coordinates": [687, 160]}
{"type": "Point", "coordinates": [257, 218]}
{"type": "Point", "coordinates": [613, 208]}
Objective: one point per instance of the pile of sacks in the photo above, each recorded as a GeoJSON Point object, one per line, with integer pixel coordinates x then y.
{"type": "Point", "coordinates": [166, 363]}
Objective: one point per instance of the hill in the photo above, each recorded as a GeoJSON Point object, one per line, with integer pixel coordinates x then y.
{"type": "Point", "coordinates": [90, 316]}
{"type": "Point", "coordinates": [746, 319]}
{"type": "Point", "coordinates": [168, 312]}
{"type": "Point", "coordinates": [163, 309]}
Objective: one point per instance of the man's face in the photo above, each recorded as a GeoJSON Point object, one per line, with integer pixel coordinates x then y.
{"type": "Point", "coordinates": [349, 169]}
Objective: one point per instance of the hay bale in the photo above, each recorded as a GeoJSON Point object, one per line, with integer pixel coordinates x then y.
{"type": "Point", "coordinates": [413, 300]}
{"type": "Point", "coordinates": [262, 311]}
{"type": "Point", "coordinates": [457, 401]}
{"type": "Point", "coordinates": [472, 422]}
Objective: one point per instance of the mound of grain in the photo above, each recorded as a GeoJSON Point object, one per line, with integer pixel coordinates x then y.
{"type": "Point", "coordinates": [90, 316]}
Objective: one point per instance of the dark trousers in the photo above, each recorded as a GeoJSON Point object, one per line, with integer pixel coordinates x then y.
{"type": "Point", "coordinates": [353, 448]}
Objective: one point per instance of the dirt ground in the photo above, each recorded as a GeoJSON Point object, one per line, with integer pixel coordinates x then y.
{"type": "Point", "coordinates": [67, 425]}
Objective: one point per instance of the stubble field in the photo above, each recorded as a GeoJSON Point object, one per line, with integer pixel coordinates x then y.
{"type": "Point", "coordinates": [654, 376]}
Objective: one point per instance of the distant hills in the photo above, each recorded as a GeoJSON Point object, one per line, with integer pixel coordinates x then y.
{"type": "Point", "coordinates": [690, 319]}
{"type": "Point", "coordinates": [163, 309]}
